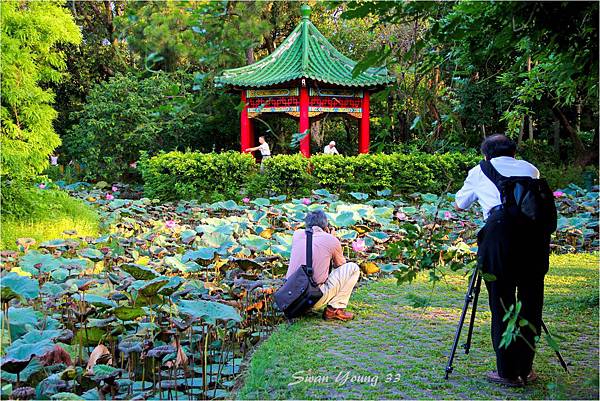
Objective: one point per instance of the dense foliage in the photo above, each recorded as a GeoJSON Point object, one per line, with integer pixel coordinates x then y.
{"type": "Point", "coordinates": [30, 59]}
{"type": "Point", "coordinates": [472, 68]}
{"type": "Point", "coordinates": [128, 114]}
{"type": "Point", "coordinates": [193, 175]}
{"type": "Point", "coordinates": [177, 175]}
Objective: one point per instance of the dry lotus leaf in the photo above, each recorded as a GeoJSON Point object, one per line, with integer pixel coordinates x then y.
{"type": "Point", "coordinates": [100, 355]}
{"type": "Point", "coordinates": [255, 306]}
{"type": "Point", "coordinates": [181, 360]}
{"type": "Point", "coordinates": [369, 268]}
{"type": "Point", "coordinates": [56, 356]}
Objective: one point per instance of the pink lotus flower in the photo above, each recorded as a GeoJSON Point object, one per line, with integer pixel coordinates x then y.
{"type": "Point", "coordinates": [246, 200]}
{"type": "Point", "coordinates": [133, 165]}
{"type": "Point", "coordinates": [401, 216]}
{"type": "Point", "coordinates": [42, 185]}
{"type": "Point", "coordinates": [447, 215]}
{"type": "Point", "coordinates": [306, 201]}
{"type": "Point", "coordinates": [114, 188]}
{"type": "Point", "coordinates": [558, 194]}
{"type": "Point", "coordinates": [359, 245]}
{"type": "Point", "coordinates": [109, 197]}
{"type": "Point", "coordinates": [170, 224]}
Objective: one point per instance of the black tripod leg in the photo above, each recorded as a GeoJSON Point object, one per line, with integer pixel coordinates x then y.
{"type": "Point", "coordinates": [557, 352]}
{"type": "Point", "coordinates": [476, 290]}
{"type": "Point", "coordinates": [468, 299]}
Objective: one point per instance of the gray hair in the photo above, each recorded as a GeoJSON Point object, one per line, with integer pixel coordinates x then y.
{"type": "Point", "coordinates": [317, 218]}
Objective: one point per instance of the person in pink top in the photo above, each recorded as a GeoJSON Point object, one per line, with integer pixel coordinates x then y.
{"type": "Point", "coordinates": [336, 285]}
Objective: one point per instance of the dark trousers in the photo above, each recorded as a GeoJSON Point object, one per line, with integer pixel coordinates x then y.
{"type": "Point", "coordinates": [518, 256]}
{"type": "Point", "coordinates": [517, 359]}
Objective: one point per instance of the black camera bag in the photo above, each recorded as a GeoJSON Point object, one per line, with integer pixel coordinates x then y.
{"type": "Point", "coordinates": [300, 292]}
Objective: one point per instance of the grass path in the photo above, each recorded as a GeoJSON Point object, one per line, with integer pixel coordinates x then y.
{"type": "Point", "coordinates": [397, 346]}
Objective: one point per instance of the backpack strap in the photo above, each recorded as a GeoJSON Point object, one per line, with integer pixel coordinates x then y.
{"type": "Point", "coordinates": [490, 172]}
{"type": "Point", "coordinates": [309, 265]}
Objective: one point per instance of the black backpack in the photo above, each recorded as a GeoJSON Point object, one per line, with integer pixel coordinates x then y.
{"type": "Point", "coordinates": [525, 199]}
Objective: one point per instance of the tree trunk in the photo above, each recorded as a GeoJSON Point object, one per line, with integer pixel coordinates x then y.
{"type": "Point", "coordinates": [556, 141]}
{"type": "Point", "coordinates": [529, 119]}
{"type": "Point", "coordinates": [521, 132]}
{"type": "Point", "coordinates": [582, 156]}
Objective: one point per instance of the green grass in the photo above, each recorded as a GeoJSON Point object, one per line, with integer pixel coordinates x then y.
{"type": "Point", "coordinates": [402, 336]}
{"type": "Point", "coordinates": [45, 215]}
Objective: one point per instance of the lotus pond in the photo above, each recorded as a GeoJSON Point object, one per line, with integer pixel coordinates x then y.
{"type": "Point", "coordinates": [170, 300]}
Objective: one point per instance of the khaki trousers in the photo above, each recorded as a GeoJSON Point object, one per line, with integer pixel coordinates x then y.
{"type": "Point", "coordinates": [338, 287]}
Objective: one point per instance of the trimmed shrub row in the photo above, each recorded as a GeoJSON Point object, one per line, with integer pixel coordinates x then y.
{"type": "Point", "coordinates": [231, 175]}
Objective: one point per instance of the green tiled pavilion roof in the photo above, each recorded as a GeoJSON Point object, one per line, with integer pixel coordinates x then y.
{"type": "Point", "coordinates": [306, 53]}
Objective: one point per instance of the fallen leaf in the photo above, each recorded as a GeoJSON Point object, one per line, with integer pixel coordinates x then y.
{"type": "Point", "coordinates": [100, 355]}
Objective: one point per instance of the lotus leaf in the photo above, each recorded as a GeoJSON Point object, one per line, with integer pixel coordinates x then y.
{"type": "Point", "coordinates": [255, 243]}
{"type": "Point", "coordinates": [171, 286]}
{"type": "Point", "coordinates": [322, 192]}
{"type": "Point", "coordinates": [384, 192]}
{"type": "Point", "coordinates": [150, 288]}
{"type": "Point", "coordinates": [33, 367]}
{"type": "Point", "coordinates": [21, 351]}
{"type": "Point", "coordinates": [188, 236]}
{"type": "Point", "coordinates": [128, 312]}
{"type": "Point", "coordinates": [65, 396]}
{"type": "Point", "coordinates": [389, 267]}
{"type": "Point", "coordinates": [95, 300]}
{"type": "Point", "coordinates": [51, 289]}
{"type": "Point", "coordinates": [359, 196]}
{"type": "Point", "coordinates": [256, 215]}
{"type": "Point", "coordinates": [55, 243]}
{"type": "Point", "coordinates": [127, 347]}
{"type": "Point", "coordinates": [139, 272]}
{"type": "Point", "coordinates": [49, 386]}
{"type": "Point", "coordinates": [106, 372]}
{"type": "Point", "coordinates": [60, 275]}
{"type": "Point", "coordinates": [343, 219]}
{"type": "Point", "coordinates": [346, 234]}
{"type": "Point", "coordinates": [33, 262]}
{"type": "Point", "coordinates": [261, 202]}
{"type": "Point", "coordinates": [90, 336]}
{"type": "Point", "coordinates": [379, 236]}
{"type": "Point", "coordinates": [14, 285]}
{"type": "Point", "coordinates": [209, 311]}
{"type": "Point", "coordinates": [22, 320]}
{"type": "Point", "coordinates": [199, 254]}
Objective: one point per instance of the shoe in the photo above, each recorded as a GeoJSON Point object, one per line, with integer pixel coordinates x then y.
{"type": "Point", "coordinates": [331, 313]}
{"type": "Point", "coordinates": [531, 377]}
{"type": "Point", "coordinates": [494, 377]}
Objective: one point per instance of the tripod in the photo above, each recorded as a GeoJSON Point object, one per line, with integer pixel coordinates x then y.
{"type": "Point", "coordinates": [472, 296]}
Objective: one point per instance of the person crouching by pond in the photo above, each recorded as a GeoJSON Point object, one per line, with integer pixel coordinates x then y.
{"type": "Point", "coordinates": [336, 285]}
{"type": "Point", "coordinates": [264, 149]}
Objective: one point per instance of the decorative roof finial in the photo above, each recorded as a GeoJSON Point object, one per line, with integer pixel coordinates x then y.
{"type": "Point", "coordinates": [305, 11]}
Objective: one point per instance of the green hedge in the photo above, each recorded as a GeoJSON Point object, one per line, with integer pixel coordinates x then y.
{"type": "Point", "coordinates": [231, 175]}
{"type": "Point", "coordinates": [192, 175]}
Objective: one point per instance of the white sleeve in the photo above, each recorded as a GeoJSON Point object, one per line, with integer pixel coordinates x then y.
{"type": "Point", "coordinates": [466, 195]}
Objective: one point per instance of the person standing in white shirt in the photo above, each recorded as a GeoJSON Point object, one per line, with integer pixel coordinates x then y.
{"type": "Point", "coordinates": [330, 149]}
{"type": "Point", "coordinates": [264, 149]}
{"type": "Point", "coordinates": [515, 258]}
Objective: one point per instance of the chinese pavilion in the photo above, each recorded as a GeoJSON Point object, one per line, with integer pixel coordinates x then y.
{"type": "Point", "coordinates": [305, 77]}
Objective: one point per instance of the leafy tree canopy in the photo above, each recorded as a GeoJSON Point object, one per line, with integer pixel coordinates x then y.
{"type": "Point", "coordinates": [31, 31]}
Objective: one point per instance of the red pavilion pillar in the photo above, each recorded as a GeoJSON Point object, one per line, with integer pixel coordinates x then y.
{"type": "Point", "coordinates": [363, 127]}
{"type": "Point", "coordinates": [245, 126]}
{"type": "Point", "coordinates": [304, 121]}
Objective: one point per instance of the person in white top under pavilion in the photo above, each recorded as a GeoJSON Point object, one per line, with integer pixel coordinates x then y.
{"type": "Point", "coordinates": [330, 149]}
{"type": "Point", "coordinates": [515, 257]}
{"type": "Point", "coordinates": [264, 149]}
